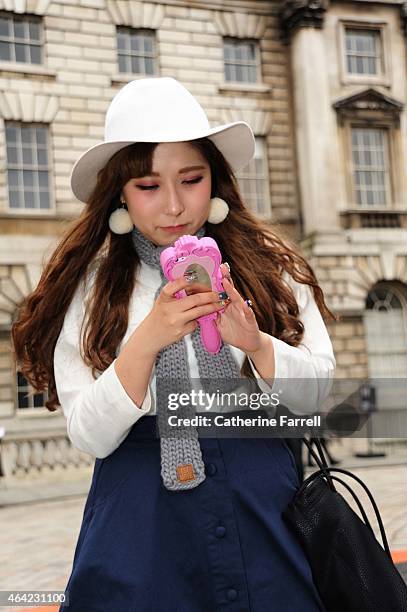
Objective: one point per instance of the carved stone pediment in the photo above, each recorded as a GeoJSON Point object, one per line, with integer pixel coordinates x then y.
{"type": "Point", "coordinates": [369, 104]}
{"type": "Point", "coordinates": [303, 13]}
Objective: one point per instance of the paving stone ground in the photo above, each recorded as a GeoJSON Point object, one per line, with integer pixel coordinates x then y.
{"type": "Point", "coordinates": [37, 538]}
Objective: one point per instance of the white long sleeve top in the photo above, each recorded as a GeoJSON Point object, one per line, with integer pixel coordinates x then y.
{"type": "Point", "coordinates": [100, 413]}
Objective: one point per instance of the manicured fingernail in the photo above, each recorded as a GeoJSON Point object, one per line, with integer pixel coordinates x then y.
{"type": "Point", "coordinates": [227, 265]}
{"type": "Point", "coordinates": [224, 302]}
{"type": "Point", "coordinates": [249, 303]}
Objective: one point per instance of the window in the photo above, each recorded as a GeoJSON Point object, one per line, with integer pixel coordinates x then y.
{"type": "Point", "coordinates": [24, 397]}
{"type": "Point", "coordinates": [254, 181]}
{"type": "Point", "coordinates": [363, 51]}
{"type": "Point", "coordinates": [241, 60]}
{"type": "Point", "coordinates": [386, 332]}
{"type": "Point", "coordinates": [136, 51]}
{"type": "Point", "coordinates": [370, 162]}
{"type": "Point", "coordinates": [28, 171]}
{"type": "Point", "coordinates": [20, 39]}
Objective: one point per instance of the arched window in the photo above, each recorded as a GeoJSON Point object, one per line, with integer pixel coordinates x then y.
{"type": "Point", "coordinates": [386, 331]}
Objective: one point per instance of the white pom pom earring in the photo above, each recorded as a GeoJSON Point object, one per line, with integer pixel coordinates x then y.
{"type": "Point", "coordinates": [120, 221]}
{"type": "Point", "coordinates": [218, 210]}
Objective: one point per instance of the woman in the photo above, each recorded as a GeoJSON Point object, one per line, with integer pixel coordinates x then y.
{"type": "Point", "coordinates": [204, 533]}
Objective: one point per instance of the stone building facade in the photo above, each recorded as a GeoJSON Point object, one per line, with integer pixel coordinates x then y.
{"type": "Point", "coordinates": [323, 86]}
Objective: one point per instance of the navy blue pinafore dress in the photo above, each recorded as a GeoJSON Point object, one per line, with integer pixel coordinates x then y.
{"type": "Point", "coordinates": [220, 547]}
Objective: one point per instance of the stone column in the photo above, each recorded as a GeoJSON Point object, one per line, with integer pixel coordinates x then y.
{"type": "Point", "coordinates": [403, 15]}
{"type": "Point", "coordinates": [314, 118]}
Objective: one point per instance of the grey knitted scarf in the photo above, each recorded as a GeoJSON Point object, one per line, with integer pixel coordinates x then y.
{"type": "Point", "coordinates": [182, 467]}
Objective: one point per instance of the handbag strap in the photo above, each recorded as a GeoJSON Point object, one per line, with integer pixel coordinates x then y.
{"type": "Point", "coordinates": [322, 472]}
{"type": "Point", "coordinates": [326, 469]}
{"type": "Point", "coordinates": [357, 501]}
{"type": "Point", "coordinates": [321, 460]}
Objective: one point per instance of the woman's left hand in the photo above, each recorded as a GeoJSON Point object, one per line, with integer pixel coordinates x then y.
{"type": "Point", "coordinates": [237, 324]}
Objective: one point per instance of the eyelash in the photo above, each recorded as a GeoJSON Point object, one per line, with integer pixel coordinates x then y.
{"type": "Point", "coordinates": [152, 187]}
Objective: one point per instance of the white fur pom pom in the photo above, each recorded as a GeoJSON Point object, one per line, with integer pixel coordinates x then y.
{"type": "Point", "coordinates": [120, 221]}
{"type": "Point", "coordinates": [218, 211]}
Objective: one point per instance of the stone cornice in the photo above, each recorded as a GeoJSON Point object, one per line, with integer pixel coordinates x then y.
{"type": "Point", "coordinates": [303, 14]}
{"type": "Point", "coordinates": [240, 25]}
{"type": "Point", "coordinates": [136, 14]}
{"type": "Point", "coordinates": [369, 102]}
{"type": "Point", "coordinates": [259, 120]}
{"type": "Point", "coordinates": [38, 7]}
{"type": "Point", "coordinates": [20, 106]}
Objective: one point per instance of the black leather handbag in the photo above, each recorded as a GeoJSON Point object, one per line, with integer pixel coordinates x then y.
{"type": "Point", "coordinates": [351, 570]}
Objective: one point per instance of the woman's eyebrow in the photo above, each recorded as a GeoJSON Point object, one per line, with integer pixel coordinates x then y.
{"type": "Point", "coordinates": [182, 171]}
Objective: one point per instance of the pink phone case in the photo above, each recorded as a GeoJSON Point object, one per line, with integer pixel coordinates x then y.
{"type": "Point", "coordinates": [200, 257]}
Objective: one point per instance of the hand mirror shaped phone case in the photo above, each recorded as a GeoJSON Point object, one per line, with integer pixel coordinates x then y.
{"type": "Point", "coordinates": [198, 259]}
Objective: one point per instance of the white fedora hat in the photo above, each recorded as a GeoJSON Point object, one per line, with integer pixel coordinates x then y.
{"type": "Point", "coordinates": [157, 109]}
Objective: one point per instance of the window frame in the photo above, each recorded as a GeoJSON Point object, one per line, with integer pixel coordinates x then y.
{"type": "Point", "coordinates": [388, 182]}
{"type": "Point", "coordinates": [31, 212]}
{"type": "Point", "coordinates": [395, 194]}
{"type": "Point", "coordinates": [153, 33]}
{"type": "Point", "coordinates": [257, 51]}
{"type": "Point", "coordinates": [266, 215]}
{"type": "Point", "coordinates": [26, 17]}
{"type": "Point", "coordinates": [31, 410]}
{"type": "Point", "coordinates": [401, 295]}
{"type": "Point", "coordinates": [346, 78]}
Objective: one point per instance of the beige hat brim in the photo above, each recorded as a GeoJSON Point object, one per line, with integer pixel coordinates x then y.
{"type": "Point", "coordinates": [234, 140]}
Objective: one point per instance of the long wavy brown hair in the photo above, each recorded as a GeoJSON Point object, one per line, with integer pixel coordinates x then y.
{"type": "Point", "coordinates": [256, 253]}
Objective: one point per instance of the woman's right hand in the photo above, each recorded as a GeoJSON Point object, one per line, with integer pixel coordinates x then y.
{"type": "Point", "coordinates": [171, 318]}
